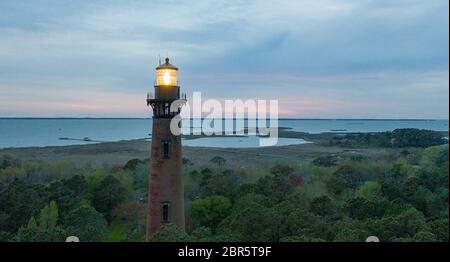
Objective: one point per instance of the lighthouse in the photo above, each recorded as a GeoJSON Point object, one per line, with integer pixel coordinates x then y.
{"type": "Point", "coordinates": [165, 196]}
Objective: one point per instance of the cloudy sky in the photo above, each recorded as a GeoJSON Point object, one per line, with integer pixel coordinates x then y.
{"type": "Point", "coordinates": [319, 58]}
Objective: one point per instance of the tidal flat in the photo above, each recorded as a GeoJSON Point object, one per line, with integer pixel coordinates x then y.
{"type": "Point", "coordinates": [119, 153]}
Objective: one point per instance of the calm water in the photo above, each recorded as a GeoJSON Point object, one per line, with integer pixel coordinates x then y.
{"type": "Point", "coordinates": [238, 142]}
{"type": "Point", "coordinates": [47, 132]}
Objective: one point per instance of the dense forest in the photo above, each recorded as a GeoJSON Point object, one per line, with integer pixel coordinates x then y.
{"type": "Point", "coordinates": [400, 194]}
{"type": "Point", "coordinates": [404, 137]}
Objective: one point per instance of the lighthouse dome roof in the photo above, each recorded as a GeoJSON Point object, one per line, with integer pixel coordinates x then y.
{"type": "Point", "coordinates": [167, 65]}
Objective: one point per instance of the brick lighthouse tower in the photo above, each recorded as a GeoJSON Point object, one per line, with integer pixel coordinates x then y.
{"type": "Point", "coordinates": [165, 198]}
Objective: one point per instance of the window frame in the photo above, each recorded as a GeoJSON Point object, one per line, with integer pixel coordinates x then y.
{"type": "Point", "coordinates": [165, 149]}
{"type": "Point", "coordinates": [165, 212]}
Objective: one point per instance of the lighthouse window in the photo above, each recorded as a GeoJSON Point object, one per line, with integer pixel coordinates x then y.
{"type": "Point", "coordinates": [165, 212]}
{"type": "Point", "coordinates": [165, 149]}
{"type": "Point", "coordinates": [166, 109]}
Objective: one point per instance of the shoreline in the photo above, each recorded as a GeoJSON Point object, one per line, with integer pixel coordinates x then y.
{"type": "Point", "coordinates": [119, 152]}
{"type": "Point", "coordinates": [283, 132]}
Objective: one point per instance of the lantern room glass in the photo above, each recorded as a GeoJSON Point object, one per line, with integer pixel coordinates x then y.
{"type": "Point", "coordinates": [166, 77]}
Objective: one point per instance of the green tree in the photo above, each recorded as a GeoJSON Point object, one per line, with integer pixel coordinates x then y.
{"type": "Point", "coordinates": [361, 208]}
{"type": "Point", "coordinates": [170, 233]}
{"type": "Point", "coordinates": [47, 230]}
{"type": "Point", "coordinates": [401, 170]}
{"type": "Point", "coordinates": [186, 162]}
{"type": "Point", "coordinates": [218, 160]}
{"type": "Point", "coordinates": [254, 223]}
{"type": "Point", "coordinates": [201, 234]}
{"type": "Point", "coordinates": [87, 224]}
{"type": "Point", "coordinates": [69, 193]}
{"type": "Point", "coordinates": [440, 228]}
{"type": "Point", "coordinates": [304, 224]}
{"type": "Point", "coordinates": [326, 161]}
{"type": "Point", "coordinates": [8, 161]}
{"type": "Point", "coordinates": [404, 225]}
{"type": "Point", "coordinates": [322, 206]}
{"type": "Point", "coordinates": [412, 137]}
{"type": "Point", "coordinates": [275, 186]}
{"type": "Point", "coordinates": [369, 190]}
{"type": "Point", "coordinates": [20, 201]}
{"type": "Point", "coordinates": [220, 183]}
{"type": "Point", "coordinates": [350, 230]}
{"type": "Point", "coordinates": [346, 177]}
{"type": "Point", "coordinates": [281, 169]}
{"type": "Point", "coordinates": [107, 196]}
{"type": "Point", "coordinates": [425, 237]}
{"type": "Point", "coordinates": [48, 217]}
{"type": "Point", "coordinates": [133, 163]}
{"type": "Point", "coordinates": [211, 210]}
{"type": "Point", "coordinates": [29, 233]}
{"type": "Point", "coordinates": [300, 239]}
{"type": "Point", "coordinates": [248, 199]}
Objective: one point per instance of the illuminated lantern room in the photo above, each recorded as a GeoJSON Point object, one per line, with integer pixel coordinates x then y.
{"type": "Point", "coordinates": [166, 74]}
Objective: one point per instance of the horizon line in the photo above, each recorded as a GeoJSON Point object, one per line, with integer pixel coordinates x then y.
{"type": "Point", "coordinates": [284, 118]}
